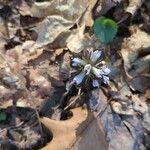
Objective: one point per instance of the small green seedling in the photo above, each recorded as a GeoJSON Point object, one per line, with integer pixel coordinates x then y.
{"type": "Point", "coordinates": [105, 29]}
{"type": "Point", "coordinates": [3, 116]}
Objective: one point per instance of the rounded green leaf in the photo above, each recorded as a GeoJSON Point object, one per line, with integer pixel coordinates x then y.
{"type": "Point", "coordinates": [105, 29]}
{"type": "Point", "coordinates": [3, 116]}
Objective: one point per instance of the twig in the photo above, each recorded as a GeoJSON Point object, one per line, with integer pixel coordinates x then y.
{"type": "Point", "coordinates": [79, 94]}
{"type": "Point", "coordinates": [12, 127]}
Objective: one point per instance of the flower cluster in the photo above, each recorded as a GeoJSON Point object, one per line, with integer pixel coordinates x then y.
{"type": "Point", "coordinates": [90, 66]}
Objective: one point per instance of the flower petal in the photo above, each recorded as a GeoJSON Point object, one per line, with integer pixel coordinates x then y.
{"type": "Point", "coordinates": [74, 64]}
{"type": "Point", "coordinates": [106, 70]}
{"type": "Point", "coordinates": [87, 69]}
{"type": "Point", "coordinates": [97, 72]}
{"type": "Point", "coordinates": [79, 78]}
{"type": "Point", "coordinates": [78, 61]}
{"type": "Point", "coordinates": [95, 55]}
{"type": "Point", "coordinates": [106, 79]}
{"type": "Point", "coordinates": [95, 83]}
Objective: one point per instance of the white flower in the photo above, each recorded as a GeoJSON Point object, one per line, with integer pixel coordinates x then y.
{"type": "Point", "coordinates": [78, 62]}
{"type": "Point", "coordinates": [87, 69]}
{"type": "Point", "coordinates": [91, 68]}
{"type": "Point", "coordinates": [95, 55]}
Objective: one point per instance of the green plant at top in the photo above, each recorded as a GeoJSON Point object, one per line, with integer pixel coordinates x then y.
{"type": "Point", "coordinates": [105, 29]}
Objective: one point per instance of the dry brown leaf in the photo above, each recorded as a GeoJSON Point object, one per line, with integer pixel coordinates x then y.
{"type": "Point", "coordinates": [50, 28]}
{"type": "Point", "coordinates": [59, 51]}
{"type": "Point", "coordinates": [127, 104]}
{"type": "Point", "coordinates": [65, 67]}
{"type": "Point", "coordinates": [147, 94]}
{"type": "Point", "coordinates": [24, 8]}
{"type": "Point", "coordinates": [120, 108]}
{"type": "Point", "coordinates": [118, 129]}
{"type": "Point", "coordinates": [75, 42]}
{"type": "Point", "coordinates": [107, 5]}
{"type": "Point", "coordinates": [66, 133]}
{"type": "Point", "coordinates": [60, 8]}
{"type": "Point", "coordinates": [132, 48]}
{"type": "Point", "coordinates": [91, 138]}
{"type": "Point", "coordinates": [54, 75]}
{"type": "Point", "coordinates": [133, 6]}
{"type": "Point", "coordinates": [43, 86]}
{"type": "Point", "coordinates": [60, 17]}
{"type": "Point", "coordinates": [140, 84]}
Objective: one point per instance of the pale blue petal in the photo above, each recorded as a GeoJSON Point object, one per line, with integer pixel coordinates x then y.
{"type": "Point", "coordinates": [79, 78]}
{"type": "Point", "coordinates": [95, 83]}
{"type": "Point", "coordinates": [97, 72]}
{"type": "Point", "coordinates": [78, 61]}
{"type": "Point", "coordinates": [74, 64]}
{"type": "Point", "coordinates": [95, 55]}
{"type": "Point", "coordinates": [106, 79]}
{"type": "Point", "coordinates": [106, 70]}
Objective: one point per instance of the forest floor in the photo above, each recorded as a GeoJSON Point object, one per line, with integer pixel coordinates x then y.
{"type": "Point", "coordinates": [40, 108]}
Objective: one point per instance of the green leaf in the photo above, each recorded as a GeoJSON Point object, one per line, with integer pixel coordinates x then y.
{"type": "Point", "coordinates": [105, 29]}
{"type": "Point", "coordinates": [3, 116]}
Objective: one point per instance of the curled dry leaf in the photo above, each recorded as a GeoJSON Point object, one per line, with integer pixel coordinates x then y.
{"type": "Point", "coordinates": [58, 17]}
{"type": "Point", "coordinates": [65, 67]}
{"type": "Point", "coordinates": [79, 41]}
{"type": "Point", "coordinates": [107, 5]}
{"type": "Point", "coordinates": [77, 133]}
{"type": "Point", "coordinates": [54, 75]}
{"type": "Point", "coordinates": [24, 8]}
{"type": "Point", "coordinates": [6, 94]}
{"type": "Point", "coordinates": [147, 94]}
{"type": "Point", "coordinates": [135, 53]}
{"type": "Point", "coordinates": [127, 105]}
{"type": "Point", "coordinates": [103, 6]}
{"type": "Point", "coordinates": [140, 83]}
{"type": "Point", "coordinates": [122, 108]}
{"type": "Point", "coordinates": [50, 28]}
{"type": "Point", "coordinates": [133, 6]}
{"type": "Point", "coordinates": [118, 129]}
{"type": "Point", "coordinates": [76, 40]}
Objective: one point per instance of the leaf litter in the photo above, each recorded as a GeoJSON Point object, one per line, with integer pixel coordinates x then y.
{"type": "Point", "coordinates": [38, 40]}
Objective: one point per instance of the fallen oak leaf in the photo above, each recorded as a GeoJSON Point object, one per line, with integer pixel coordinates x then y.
{"type": "Point", "coordinates": [63, 130]}
{"type": "Point", "coordinates": [69, 131]}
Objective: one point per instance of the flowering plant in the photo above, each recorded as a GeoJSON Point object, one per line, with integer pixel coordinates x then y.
{"type": "Point", "coordinates": [90, 67]}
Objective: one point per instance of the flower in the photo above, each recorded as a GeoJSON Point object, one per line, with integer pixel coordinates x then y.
{"type": "Point", "coordinates": [78, 61]}
{"type": "Point", "coordinates": [95, 83]}
{"type": "Point", "coordinates": [79, 78]}
{"type": "Point", "coordinates": [95, 55]}
{"type": "Point", "coordinates": [90, 66]}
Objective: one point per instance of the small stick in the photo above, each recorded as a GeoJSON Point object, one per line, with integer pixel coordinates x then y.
{"type": "Point", "coordinates": [79, 93]}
